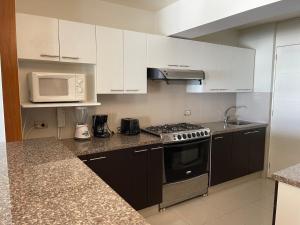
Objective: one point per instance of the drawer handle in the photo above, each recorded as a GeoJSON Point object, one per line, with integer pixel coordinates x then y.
{"type": "Point", "coordinates": [70, 57]}
{"type": "Point", "coordinates": [133, 90]}
{"type": "Point", "coordinates": [218, 138]}
{"type": "Point", "coordinates": [84, 160]}
{"type": "Point", "coordinates": [188, 172]}
{"type": "Point", "coordinates": [186, 66]}
{"type": "Point", "coordinates": [99, 158]}
{"type": "Point", "coordinates": [139, 151]}
{"type": "Point", "coordinates": [49, 56]}
{"type": "Point", "coordinates": [116, 90]}
{"type": "Point", "coordinates": [157, 148]}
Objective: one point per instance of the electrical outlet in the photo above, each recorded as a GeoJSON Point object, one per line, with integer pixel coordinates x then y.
{"type": "Point", "coordinates": [40, 124]}
{"type": "Point", "coordinates": [187, 113]}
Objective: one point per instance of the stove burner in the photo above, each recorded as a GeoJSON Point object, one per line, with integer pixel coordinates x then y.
{"type": "Point", "coordinates": [171, 128]}
{"type": "Point", "coordinates": [171, 133]}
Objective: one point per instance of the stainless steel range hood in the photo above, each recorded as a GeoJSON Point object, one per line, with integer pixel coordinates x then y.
{"type": "Point", "coordinates": [175, 74]}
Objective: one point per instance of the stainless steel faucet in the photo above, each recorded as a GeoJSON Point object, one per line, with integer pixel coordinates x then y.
{"type": "Point", "coordinates": [226, 116]}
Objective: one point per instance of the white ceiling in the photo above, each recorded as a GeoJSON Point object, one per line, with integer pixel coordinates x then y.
{"type": "Point", "coordinates": [152, 5]}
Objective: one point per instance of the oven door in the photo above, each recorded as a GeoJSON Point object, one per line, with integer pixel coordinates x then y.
{"type": "Point", "coordinates": [186, 160]}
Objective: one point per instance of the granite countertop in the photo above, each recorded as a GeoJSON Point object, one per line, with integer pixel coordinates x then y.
{"type": "Point", "coordinates": [43, 182]}
{"type": "Point", "coordinates": [290, 175]}
{"type": "Point", "coordinates": [115, 142]}
{"type": "Point", "coordinates": [219, 128]}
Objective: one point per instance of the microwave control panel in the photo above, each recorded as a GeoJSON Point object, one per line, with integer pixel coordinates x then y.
{"type": "Point", "coordinates": [80, 87]}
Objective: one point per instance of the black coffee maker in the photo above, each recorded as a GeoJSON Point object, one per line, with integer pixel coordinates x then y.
{"type": "Point", "coordinates": [100, 127]}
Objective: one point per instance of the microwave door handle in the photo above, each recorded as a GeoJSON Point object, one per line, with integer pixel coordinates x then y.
{"type": "Point", "coordinates": [186, 144]}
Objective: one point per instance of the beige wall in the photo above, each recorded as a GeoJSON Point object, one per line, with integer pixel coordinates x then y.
{"type": "Point", "coordinates": [163, 104]}
{"type": "Point", "coordinates": [93, 12]}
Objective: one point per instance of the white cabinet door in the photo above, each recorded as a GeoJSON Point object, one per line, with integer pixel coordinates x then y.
{"type": "Point", "coordinates": [242, 70]}
{"type": "Point", "coordinates": [110, 66]}
{"type": "Point", "coordinates": [162, 52]}
{"type": "Point", "coordinates": [135, 62]}
{"type": "Point", "coordinates": [77, 42]}
{"type": "Point", "coordinates": [37, 37]}
{"type": "Point", "coordinates": [215, 61]}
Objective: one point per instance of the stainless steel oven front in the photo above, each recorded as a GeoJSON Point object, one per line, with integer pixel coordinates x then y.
{"type": "Point", "coordinates": [186, 168]}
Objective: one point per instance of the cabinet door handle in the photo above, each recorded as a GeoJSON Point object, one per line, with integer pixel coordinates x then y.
{"type": "Point", "coordinates": [243, 89]}
{"type": "Point", "coordinates": [139, 151]}
{"type": "Point", "coordinates": [252, 132]}
{"type": "Point", "coordinates": [49, 56]}
{"type": "Point", "coordinates": [70, 57]}
{"type": "Point", "coordinates": [157, 148]}
{"type": "Point", "coordinates": [132, 90]}
{"type": "Point", "coordinates": [116, 90]}
{"type": "Point", "coordinates": [218, 89]}
{"type": "Point", "coordinates": [218, 138]}
{"type": "Point", "coordinates": [188, 172]}
{"type": "Point", "coordinates": [84, 160]}
{"type": "Point", "coordinates": [173, 65]}
{"type": "Point", "coordinates": [98, 158]}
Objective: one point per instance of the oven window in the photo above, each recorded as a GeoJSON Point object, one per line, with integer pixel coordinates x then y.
{"type": "Point", "coordinates": [53, 87]}
{"type": "Point", "coordinates": [184, 161]}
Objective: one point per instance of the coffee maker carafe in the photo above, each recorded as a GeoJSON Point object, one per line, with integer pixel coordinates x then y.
{"type": "Point", "coordinates": [100, 127]}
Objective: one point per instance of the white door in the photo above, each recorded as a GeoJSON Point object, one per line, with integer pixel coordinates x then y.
{"type": "Point", "coordinates": [162, 52]}
{"type": "Point", "coordinates": [242, 69]}
{"type": "Point", "coordinates": [285, 121]}
{"type": "Point", "coordinates": [135, 62]}
{"type": "Point", "coordinates": [110, 63]}
{"type": "Point", "coordinates": [2, 125]}
{"type": "Point", "coordinates": [77, 42]}
{"type": "Point", "coordinates": [37, 37]}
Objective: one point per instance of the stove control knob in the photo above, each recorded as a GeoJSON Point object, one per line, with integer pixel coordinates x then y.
{"type": "Point", "coordinates": [198, 134]}
{"type": "Point", "coordinates": [194, 135]}
{"type": "Point", "coordinates": [205, 132]}
{"type": "Point", "coordinates": [184, 136]}
{"type": "Point", "coordinates": [179, 137]}
{"type": "Point", "coordinates": [202, 133]}
{"type": "Point", "coordinates": [189, 135]}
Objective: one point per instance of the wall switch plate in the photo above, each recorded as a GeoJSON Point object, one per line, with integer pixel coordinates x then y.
{"type": "Point", "coordinates": [40, 124]}
{"type": "Point", "coordinates": [187, 113]}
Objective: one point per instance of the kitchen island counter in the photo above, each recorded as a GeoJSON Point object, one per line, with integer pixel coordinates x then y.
{"type": "Point", "coordinates": [43, 182]}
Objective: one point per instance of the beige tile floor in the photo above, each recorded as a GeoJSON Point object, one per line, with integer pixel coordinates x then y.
{"type": "Point", "coordinates": [249, 203]}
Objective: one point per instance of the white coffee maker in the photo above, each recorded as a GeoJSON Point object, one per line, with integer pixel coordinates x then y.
{"type": "Point", "coordinates": [82, 130]}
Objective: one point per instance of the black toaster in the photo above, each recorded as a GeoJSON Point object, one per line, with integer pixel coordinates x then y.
{"type": "Point", "coordinates": [130, 126]}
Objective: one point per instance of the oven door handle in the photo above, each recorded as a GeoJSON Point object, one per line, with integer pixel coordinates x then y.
{"type": "Point", "coordinates": [186, 144]}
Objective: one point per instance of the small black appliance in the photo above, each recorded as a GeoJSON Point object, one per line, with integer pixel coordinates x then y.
{"type": "Point", "coordinates": [100, 127]}
{"type": "Point", "coordinates": [130, 126]}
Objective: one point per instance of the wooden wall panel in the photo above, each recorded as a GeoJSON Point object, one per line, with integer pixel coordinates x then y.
{"type": "Point", "coordinates": [8, 50]}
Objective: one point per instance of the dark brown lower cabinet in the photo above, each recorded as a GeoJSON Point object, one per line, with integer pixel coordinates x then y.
{"type": "Point", "coordinates": [237, 154]}
{"type": "Point", "coordinates": [135, 174]}
{"type": "Point", "coordinates": [221, 158]}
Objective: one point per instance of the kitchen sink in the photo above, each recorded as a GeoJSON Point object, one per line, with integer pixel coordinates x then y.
{"type": "Point", "coordinates": [238, 123]}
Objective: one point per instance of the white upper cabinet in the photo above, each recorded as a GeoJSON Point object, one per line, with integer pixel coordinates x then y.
{"type": "Point", "coordinates": [50, 39]}
{"type": "Point", "coordinates": [37, 37]}
{"type": "Point", "coordinates": [227, 69]}
{"type": "Point", "coordinates": [161, 52]}
{"type": "Point", "coordinates": [135, 62]}
{"type": "Point", "coordinates": [242, 70]}
{"type": "Point", "coordinates": [110, 75]}
{"type": "Point", "coordinates": [77, 42]}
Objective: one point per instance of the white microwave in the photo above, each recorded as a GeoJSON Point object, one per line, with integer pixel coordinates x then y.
{"type": "Point", "coordinates": [56, 87]}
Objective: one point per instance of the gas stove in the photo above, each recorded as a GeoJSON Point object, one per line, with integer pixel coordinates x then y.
{"type": "Point", "coordinates": [179, 132]}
